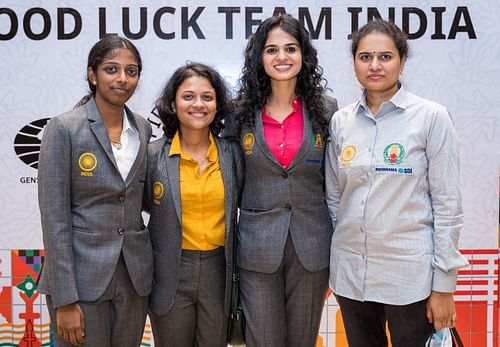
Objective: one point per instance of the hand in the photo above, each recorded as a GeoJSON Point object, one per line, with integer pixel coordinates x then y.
{"type": "Point", "coordinates": [70, 324]}
{"type": "Point", "coordinates": [440, 310]}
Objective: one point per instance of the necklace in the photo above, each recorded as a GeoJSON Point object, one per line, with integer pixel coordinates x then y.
{"type": "Point", "coordinates": [116, 144]}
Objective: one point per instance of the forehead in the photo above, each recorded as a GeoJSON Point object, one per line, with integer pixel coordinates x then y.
{"type": "Point", "coordinates": [196, 83]}
{"type": "Point", "coordinates": [121, 55]}
{"type": "Point", "coordinates": [376, 42]}
{"type": "Point", "coordinates": [278, 36]}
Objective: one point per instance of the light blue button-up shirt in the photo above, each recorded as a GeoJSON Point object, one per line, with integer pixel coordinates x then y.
{"type": "Point", "coordinates": [393, 192]}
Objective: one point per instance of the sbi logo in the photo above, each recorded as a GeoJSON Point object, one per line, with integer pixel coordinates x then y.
{"type": "Point", "coordinates": [28, 140]}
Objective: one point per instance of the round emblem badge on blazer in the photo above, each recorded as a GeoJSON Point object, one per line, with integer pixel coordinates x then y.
{"type": "Point", "coordinates": [158, 191]}
{"type": "Point", "coordinates": [248, 142]}
{"type": "Point", "coordinates": [87, 163]}
{"type": "Point", "coordinates": [347, 155]}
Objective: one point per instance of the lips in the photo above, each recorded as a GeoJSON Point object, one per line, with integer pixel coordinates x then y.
{"type": "Point", "coordinates": [283, 67]}
{"type": "Point", "coordinates": [198, 114]}
{"type": "Point", "coordinates": [120, 90]}
{"type": "Point", "coordinates": [375, 77]}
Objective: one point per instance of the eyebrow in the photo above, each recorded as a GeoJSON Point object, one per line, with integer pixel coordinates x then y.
{"type": "Point", "coordinates": [286, 45]}
{"type": "Point", "coordinates": [382, 52]}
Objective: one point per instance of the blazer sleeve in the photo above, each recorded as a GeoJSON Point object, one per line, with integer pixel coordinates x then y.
{"type": "Point", "coordinates": [54, 199]}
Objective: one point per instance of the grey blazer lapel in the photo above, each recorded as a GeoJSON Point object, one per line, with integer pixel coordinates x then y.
{"type": "Point", "coordinates": [143, 146]}
{"type": "Point", "coordinates": [99, 129]}
{"type": "Point", "coordinates": [306, 139]}
{"type": "Point", "coordinates": [259, 138]}
{"type": "Point", "coordinates": [228, 179]}
{"type": "Point", "coordinates": [172, 165]}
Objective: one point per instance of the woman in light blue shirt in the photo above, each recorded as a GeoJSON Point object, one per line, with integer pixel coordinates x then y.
{"type": "Point", "coordinates": [392, 182]}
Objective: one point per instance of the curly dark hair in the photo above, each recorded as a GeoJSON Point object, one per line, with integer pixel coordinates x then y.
{"type": "Point", "coordinates": [100, 51]}
{"type": "Point", "coordinates": [382, 27]}
{"type": "Point", "coordinates": [255, 84]}
{"type": "Point", "coordinates": [164, 105]}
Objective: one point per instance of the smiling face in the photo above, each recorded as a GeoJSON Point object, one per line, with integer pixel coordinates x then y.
{"type": "Point", "coordinates": [115, 78]}
{"type": "Point", "coordinates": [195, 104]}
{"type": "Point", "coordinates": [282, 56]}
{"type": "Point", "coordinates": [377, 64]}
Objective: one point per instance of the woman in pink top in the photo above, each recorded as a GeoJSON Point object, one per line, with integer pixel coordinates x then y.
{"type": "Point", "coordinates": [281, 123]}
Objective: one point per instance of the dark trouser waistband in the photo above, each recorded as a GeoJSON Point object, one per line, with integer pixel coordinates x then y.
{"type": "Point", "coordinates": [202, 254]}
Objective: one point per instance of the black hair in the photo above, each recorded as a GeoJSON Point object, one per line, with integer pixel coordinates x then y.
{"type": "Point", "coordinates": [163, 105]}
{"type": "Point", "coordinates": [98, 53]}
{"type": "Point", "coordinates": [382, 27]}
{"type": "Point", "coordinates": [255, 84]}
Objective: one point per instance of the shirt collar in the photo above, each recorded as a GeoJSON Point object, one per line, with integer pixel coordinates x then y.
{"type": "Point", "coordinates": [126, 126]}
{"type": "Point", "coordinates": [398, 100]}
{"type": "Point", "coordinates": [175, 147]}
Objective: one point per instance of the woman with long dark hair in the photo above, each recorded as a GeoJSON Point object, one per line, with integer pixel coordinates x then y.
{"type": "Point", "coordinates": [281, 122]}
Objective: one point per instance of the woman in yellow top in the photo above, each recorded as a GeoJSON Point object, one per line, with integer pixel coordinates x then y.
{"type": "Point", "coordinates": [191, 196]}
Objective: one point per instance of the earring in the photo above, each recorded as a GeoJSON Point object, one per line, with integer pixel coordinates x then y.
{"type": "Point", "coordinates": [172, 107]}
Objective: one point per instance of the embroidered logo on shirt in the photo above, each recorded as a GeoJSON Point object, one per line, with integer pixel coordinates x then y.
{"type": "Point", "coordinates": [317, 141]}
{"type": "Point", "coordinates": [347, 155]}
{"type": "Point", "coordinates": [248, 142]}
{"type": "Point", "coordinates": [158, 191]}
{"type": "Point", "coordinates": [394, 154]}
{"type": "Point", "coordinates": [87, 163]}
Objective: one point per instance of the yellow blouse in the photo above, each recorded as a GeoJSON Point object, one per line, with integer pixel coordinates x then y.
{"type": "Point", "coordinates": [202, 199]}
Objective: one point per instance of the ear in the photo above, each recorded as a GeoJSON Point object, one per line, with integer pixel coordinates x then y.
{"type": "Point", "coordinates": [401, 68]}
{"type": "Point", "coordinates": [91, 76]}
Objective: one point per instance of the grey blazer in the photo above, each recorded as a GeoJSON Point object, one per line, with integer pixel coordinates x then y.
{"type": "Point", "coordinates": [165, 224]}
{"type": "Point", "coordinates": [89, 214]}
{"type": "Point", "coordinates": [276, 201]}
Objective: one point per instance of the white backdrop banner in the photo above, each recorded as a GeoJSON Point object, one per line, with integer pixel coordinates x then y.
{"type": "Point", "coordinates": [454, 60]}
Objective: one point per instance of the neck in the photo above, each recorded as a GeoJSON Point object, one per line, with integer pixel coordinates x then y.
{"type": "Point", "coordinates": [375, 99]}
{"type": "Point", "coordinates": [282, 93]}
{"type": "Point", "coordinates": [193, 141]}
{"type": "Point", "coordinates": [112, 115]}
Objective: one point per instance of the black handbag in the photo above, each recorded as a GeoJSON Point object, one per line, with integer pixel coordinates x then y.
{"type": "Point", "coordinates": [237, 322]}
{"type": "Point", "coordinates": [236, 329]}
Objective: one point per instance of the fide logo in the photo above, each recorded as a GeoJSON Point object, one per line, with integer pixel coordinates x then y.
{"type": "Point", "coordinates": [28, 140]}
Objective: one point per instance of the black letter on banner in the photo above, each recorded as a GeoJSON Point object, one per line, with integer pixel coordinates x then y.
{"type": "Point", "coordinates": [13, 24]}
{"type": "Point", "coordinates": [278, 11]}
{"type": "Point", "coordinates": [61, 34]}
{"type": "Point", "coordinates": [468, 27]}
{"type": "Point", "coordinates": [102, 23]}
{"type": "Point", "coordinates": [157, 25]}
{"type": "Point", "coordinates": [325, 15]}
{"type": "Point", "coordinates": [46, 23]}
{"type": "Point", "coordinates": [249, 21]}
{"type": "Point", "coordinates": [354, 11]}
{"type": "Point", "coordinates": [438, 23]}
{"type": "Point", "coordinates": [142, 23]}
{"type": "Point", "coordinates": [406, 22]}
{"type": "Point", "coordinates": [191, 22]}
{"type": "Point", "coordinates": [229, 19]}
{"type": "Point", "coordinates": [372, 14]}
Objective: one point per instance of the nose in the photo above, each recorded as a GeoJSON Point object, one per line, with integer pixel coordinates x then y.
{"type": "Point", "coordinates": [198, 102]}
{"type": "Point", "coordinates": [374, 64]}
{"type": "Point", "coordinates": [282, 54]}
{"type": "Point", "coordinates": [122, 76]}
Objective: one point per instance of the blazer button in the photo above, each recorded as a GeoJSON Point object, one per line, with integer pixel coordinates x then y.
{"type": "Point", "coordinates": [121, 198]}
{"type": "Point", "coordinates": [121, 231]}
{"type": "Point", "coordinates": [288, 207]}
{"type": "Point", "coordinates": [284, 174]}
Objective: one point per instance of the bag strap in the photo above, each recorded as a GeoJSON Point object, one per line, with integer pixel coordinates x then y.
{"type": "Point", "coordinates": [456, 337]}
{"type": "Point", "coordinates": [235, 274]}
